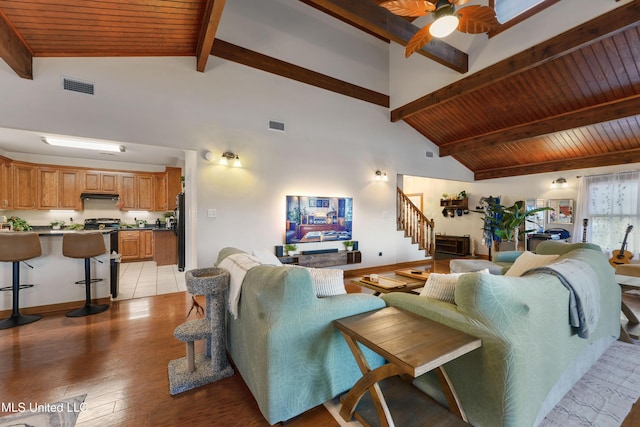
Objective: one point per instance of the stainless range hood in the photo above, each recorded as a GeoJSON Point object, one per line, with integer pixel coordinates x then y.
{"type": "Point", "coordinates": [99, 196]}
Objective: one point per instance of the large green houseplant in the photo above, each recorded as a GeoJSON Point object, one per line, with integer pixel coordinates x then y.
{"type": "Point", "coordinates": [506, 221]}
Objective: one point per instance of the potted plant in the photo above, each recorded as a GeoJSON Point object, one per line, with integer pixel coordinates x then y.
{"type": "Point", "coordinates": [18, 224]}
{"type": "Point", "coordinates": [57, 224]}
{"type": "Point", "coordinates": [290, 248]}
{"type": "Point", "coordinates": [348, 245]}
{"type": "Point", "coordinates": [507, 220]}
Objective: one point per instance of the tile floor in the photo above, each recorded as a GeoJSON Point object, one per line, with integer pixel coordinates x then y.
{"type": "Point", "coordinates": [143, 279]}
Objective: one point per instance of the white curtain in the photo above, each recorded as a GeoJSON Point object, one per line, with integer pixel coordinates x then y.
{"type": "Point", "coordinates": [610, 204]}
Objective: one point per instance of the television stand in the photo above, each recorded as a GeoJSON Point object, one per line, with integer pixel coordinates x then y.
{"type": "Point", "coordinates": [330, 259]}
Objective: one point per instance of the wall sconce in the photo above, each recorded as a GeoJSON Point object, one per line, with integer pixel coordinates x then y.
{"type": "Point", "coordinates": [381, 176]}
{"type": "Point", "coordinates": [559, 183]}
{"type": "Point", "coordinates": [228, 155]}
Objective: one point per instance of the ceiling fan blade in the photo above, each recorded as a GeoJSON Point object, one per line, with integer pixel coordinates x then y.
{"type": "Point", "coordinates": [419, 39]}
{"type": "Point", "coordinates": [476, 19]}
{"type": "Point", "coordinates": [459, 2]}
{"type": "Point", "coordinates": [409, 7]}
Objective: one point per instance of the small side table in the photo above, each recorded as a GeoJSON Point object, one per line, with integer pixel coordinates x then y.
{"type": "Point", "coordinates": [196, 370]}
{"type": "Point", "coordinates": [628, 281]}
{"type": "Point", "coordinates": [413, 345]}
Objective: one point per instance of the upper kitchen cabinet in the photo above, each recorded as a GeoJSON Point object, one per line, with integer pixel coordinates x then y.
{"type": "Point", "coordinates": [58, 188]}
{"type": "Point", "coordinates": [136, 191]}
{"type": "Point", "coordinates": [6, 180]}
{"type": "Point", "coordinates": [167, 186]}
{"type": "Point", "coordinates": [24, 185]}
{"type": "Point", "coordinates": [100, 182]}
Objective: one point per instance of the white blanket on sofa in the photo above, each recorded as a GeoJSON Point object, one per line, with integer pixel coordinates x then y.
{"type": "Point", "coordinates": [237, 265]}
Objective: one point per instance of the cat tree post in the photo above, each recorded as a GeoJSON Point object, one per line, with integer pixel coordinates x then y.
{"type": "Point", "coordinates": [196, 370]}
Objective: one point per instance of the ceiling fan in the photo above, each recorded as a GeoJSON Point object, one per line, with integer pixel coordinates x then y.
{"type": "Point", "coordinates": [469, 19]}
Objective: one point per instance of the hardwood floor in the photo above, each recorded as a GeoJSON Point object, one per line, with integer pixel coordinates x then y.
{"type": "Point", "coordinates": [119, 358]}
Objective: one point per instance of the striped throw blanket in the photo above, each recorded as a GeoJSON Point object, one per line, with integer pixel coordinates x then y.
{"type": "Point", "coordinates": [237, 265]}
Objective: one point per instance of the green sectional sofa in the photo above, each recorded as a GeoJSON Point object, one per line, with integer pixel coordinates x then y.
{"type": "Point", "coordinates": [284, 344]}
{"type": "Point", "coordinates": [530, 355]}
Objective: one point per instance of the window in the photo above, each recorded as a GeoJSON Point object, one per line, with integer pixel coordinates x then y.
{"type": "Point", "coordinates": [511, 12]}
{"type": "Point", "coordinates": [612, 205]}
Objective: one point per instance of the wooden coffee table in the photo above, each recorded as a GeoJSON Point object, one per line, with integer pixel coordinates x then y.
{"type": "Point", "coordinates": [413, 345]}
{"type": "Point", "coordinates": [391, 283]}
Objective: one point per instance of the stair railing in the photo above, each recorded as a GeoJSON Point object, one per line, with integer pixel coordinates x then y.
{"type": "Point", "coordinates": [415, 224]}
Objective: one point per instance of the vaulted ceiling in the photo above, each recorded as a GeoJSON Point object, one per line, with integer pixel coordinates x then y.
{"type": "Point", "coordinates": [570, 102]}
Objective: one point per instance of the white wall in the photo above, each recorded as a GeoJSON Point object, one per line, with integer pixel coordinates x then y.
{"type": "Point", "coordinates": [509, 189]}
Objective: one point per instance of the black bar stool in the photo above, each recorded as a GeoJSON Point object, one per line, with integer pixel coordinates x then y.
{"type": "Point", "coordinates": [85, 246]}
{"type": "Point", "coordinates": [16, 247]}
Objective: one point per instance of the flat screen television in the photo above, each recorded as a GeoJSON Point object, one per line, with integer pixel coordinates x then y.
{"type": "Point", "coordinates": [318, 219]}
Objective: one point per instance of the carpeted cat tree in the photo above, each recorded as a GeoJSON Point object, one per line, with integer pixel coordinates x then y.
{"type": "Point", "coordinates": [196, 370]}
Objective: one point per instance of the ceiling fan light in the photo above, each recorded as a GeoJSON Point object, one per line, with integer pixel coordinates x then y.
{"type": "Point", "coordinates": [443, 26]}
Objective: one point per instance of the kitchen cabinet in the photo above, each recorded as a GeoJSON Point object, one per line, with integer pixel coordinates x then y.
{"type": "Point", "coordinates": [58, 188]}
{"type": "Point", "coordinates": [165, 247]}
{"type": "Point", "coordinates": [146, 244]}
{"type": "Point", "coordinates": [135, 245]}
{"type": "Point", "coordinates": [24, 185]}
{"type": "Point", "coordinates": [6, 180]}
{"type": "Point", "coordinates": [174, 186]}
{"type": "Point", "coordinates": [129, 245]}
{"type": "Point", "coordinates": [100, 182]}
{"type": "Point", "coordinates": [136, 191]}
{"type": "Point", "coordinates": [161, 195]}
{"type": "Point", "coordinates": [167, 185]}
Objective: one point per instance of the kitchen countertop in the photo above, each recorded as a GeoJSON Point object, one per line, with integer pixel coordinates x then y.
{"type": "Point", "coordinates": [48, 231]}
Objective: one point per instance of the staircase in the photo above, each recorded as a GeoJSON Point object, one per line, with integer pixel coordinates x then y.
{"type": "Point", "coordinates": [415, 225]}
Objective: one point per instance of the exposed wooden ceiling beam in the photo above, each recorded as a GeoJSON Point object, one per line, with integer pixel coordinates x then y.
{"type": "Point", "coordinates": [378, 20]}
{"type": "Point", "coordinates": [14, 50]}
{"type": "Point", "coordinates": [266, 63]}
{"type": "Point", "coordinates": [615, 21]}
{"type": "Point", "coordinates": [210, 21]}
{"type": "Point", "coordinates": [625, 107]}
{"type": "Point", "coordinates": [610, 159]}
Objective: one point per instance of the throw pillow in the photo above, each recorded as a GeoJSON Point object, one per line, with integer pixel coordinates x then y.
{"type": "Point", "coordinates": [527, 261]}
{"type": "Point", "coordinates": [327, 281]}
{"type": "Point", "coordinates": [266, 257]}
{"type": "Point", "coordinates": [442, 286]}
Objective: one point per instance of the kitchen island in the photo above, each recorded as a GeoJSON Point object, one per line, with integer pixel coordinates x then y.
{"type": "Point", "coordinates": [54, 275]}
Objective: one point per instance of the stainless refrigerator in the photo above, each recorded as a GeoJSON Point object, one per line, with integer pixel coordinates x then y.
{"type": "Point", "coordinates": [179, 229]}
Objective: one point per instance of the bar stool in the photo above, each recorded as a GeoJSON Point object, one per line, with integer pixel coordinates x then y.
{"type": "Point", "coordinates": [85, 246]}
{"type": "Point", "coordinates": [16, 247]}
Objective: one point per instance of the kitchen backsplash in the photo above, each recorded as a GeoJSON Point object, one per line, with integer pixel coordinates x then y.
{"type": "Point", "coordinates": [92, 209]}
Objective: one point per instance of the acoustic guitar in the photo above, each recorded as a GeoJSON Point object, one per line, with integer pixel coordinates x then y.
{"type": "Point", "coordinates": [622, 256]}
{"type": "Point", "coordinates": [585, 223]}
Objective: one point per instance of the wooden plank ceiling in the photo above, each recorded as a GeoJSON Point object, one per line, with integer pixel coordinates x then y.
{"type": "Point", "coordinates": [570, 102]}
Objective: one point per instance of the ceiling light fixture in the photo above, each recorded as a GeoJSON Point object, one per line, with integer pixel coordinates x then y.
{"type": "Point", "coordinates": [559, 183]}
{"type": "Point", "coordinates": [228, 155]}
{"type": "Point", "coordinates": [381, 176]}
{"type": "Point", "coordinates": [446, 21]}
{"type": "Point", "coordinates": [88, 145]}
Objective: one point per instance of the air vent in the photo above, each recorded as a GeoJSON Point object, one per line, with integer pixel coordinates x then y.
{"type": "Point", "coordinates": [429, 154]}
{"type": "Point", "coordinates": [78, 86]}
{"type": "Point", "coordinates": [277, 126]}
